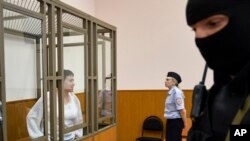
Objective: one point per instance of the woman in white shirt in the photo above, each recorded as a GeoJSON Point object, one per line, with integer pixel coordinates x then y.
{"type": "Point", "coordinates": [72, 112]}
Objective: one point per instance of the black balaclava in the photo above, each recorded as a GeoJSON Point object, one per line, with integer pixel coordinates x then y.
{"type": "Point", "coordinates": [228, 50]}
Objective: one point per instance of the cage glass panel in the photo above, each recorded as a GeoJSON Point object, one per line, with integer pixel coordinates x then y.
{"type": "Point", "coordinates": [105, 95]}
{"type": "Point", "coordinates": [74, 81]}
{"type": "Point", "coordinates": [24, 79]}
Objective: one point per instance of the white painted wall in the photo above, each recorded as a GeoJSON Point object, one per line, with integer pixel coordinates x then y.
{"type": "Point", "coordinates": [87, 6]}
{"type": "Point", "coordinates": [152, 39]}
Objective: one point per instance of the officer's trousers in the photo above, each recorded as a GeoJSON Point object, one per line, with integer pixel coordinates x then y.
{"type": "Point", "coordinates": [174, 129]}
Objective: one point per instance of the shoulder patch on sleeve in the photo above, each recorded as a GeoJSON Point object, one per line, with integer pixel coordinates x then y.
{"type": "Point", "coordinates": [179, 101]}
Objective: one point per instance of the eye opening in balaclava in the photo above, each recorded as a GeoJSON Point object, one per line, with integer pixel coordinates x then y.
{"type": "Point", "coordinates": [211, 25]}
{"type": "Point", "coordinates": [228, 50]}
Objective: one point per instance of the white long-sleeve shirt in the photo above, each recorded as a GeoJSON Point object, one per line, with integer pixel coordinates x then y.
{"type": "Point", "coordinates": [72, 116]}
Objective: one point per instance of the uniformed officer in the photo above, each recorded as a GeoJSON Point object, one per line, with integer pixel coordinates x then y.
{"type": "Point", "coordinates": [222, 34]}
{"type": "Point", "coordinates": [175, 111]}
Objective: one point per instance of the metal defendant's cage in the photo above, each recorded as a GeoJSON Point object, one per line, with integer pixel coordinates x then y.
{"type": "Point", "coordinates": [39, 39]}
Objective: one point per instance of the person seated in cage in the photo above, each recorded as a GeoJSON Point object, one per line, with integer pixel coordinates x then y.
{"type": "Point", "coordinates": [72, 112]}
{"type": "Point", "coordinates": [105, 100]}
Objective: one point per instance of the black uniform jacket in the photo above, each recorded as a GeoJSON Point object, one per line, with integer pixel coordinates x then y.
{"type": "Point", "coordinates": [224, 99]}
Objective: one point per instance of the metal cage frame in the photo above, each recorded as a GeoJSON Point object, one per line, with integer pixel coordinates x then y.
{"type": "Point", "coordinates": [20, 17]}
